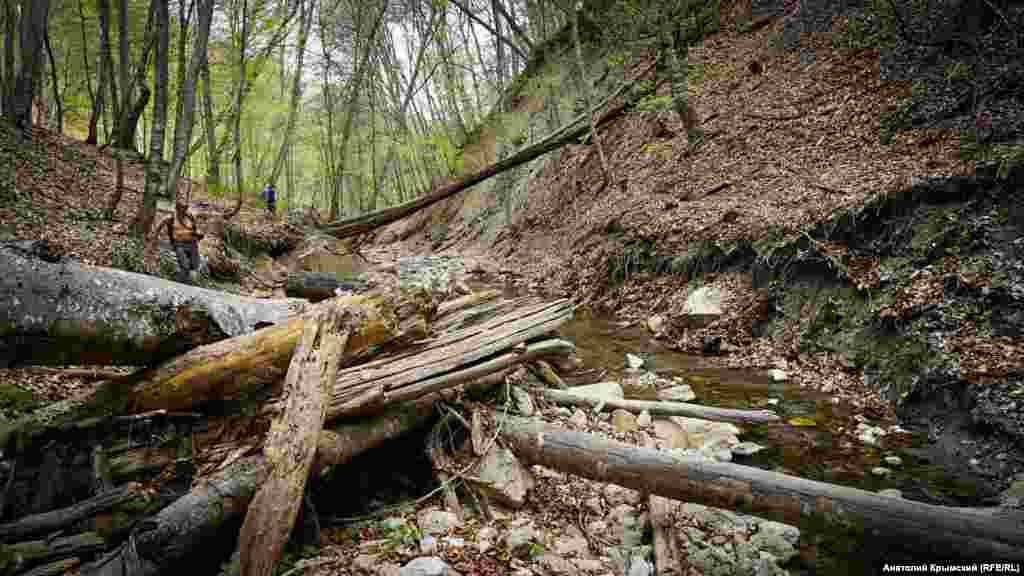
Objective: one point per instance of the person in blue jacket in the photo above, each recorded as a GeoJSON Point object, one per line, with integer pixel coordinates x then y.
{"type": "Point", "coordinates": [270, 197]}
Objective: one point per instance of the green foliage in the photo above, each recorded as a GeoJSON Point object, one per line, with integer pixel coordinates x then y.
{"type": "Point", "coordinates": [876, 27]}
{"type": "Point", "coordinates": [655, 103]}
{"type": "Point", "coordinates": [744, 23]}
{"type": "Point", "coordinates": [959, 71]}
{"type": "Point", "coordinates": [775, 40]}
{"type": "Point", "coordinates": [16, 400]}
{"type": "Point", "coordinates": [401, 533]}
{"type": "Point", "coordinates": [894, 120]}
{"type": "Point", "coordinates": [128, 253]}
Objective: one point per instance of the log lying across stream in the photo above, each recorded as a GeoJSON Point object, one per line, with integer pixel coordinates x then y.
{"type": "Point", "coordinates": [987, 535]}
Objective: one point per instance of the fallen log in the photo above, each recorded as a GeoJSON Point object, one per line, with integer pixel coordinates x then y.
{"type": "Point", "coordinates": [663, 408]}
{"type": "Point", "coordinates": [229, 368]}
{"type": "Point", "coordinates": [572, 132]}
{"type": "Point", "coordinates": [317, 286]}
{"type": "Point", "coordinates": [61, 312]}
{"type": "Point", "coordinates": [933, 531]}
{"type": "Point", "coordinates": [45, 522]}
{"type": "Point", "coordinates": [291, 443]}
{"type": "Point", "coordinates": [15, 557]}
{"type": "Point", "coordinates": [452, 358]}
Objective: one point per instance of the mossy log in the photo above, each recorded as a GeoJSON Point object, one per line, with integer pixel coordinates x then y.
{"type": "Point", "coordinates": [230, 368]}
{"type": "Point", "coordinates": [985, 535]}
{"type": "Point", "coordinates": [16, 557]}
{"type": "Point", "coordinates": [292, 440]}
{"type": "Point", "coordinates": [61, 312]}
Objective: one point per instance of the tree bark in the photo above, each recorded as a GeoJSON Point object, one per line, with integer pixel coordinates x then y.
{"type": "Point", "coordinates": [938, 531]}
{"type": "Point", "coordinates": [31, 31]}
{"type": "Point", "coordinates": [64, 312]}
{"type": "Point", "coordinates": [154, 174]}
{"type": "Point", "coordinates": [183, 123]}
{"type": "Point", "coordinates": [291, 443]}
{"type": "Point", "coordinates": [665, 408]}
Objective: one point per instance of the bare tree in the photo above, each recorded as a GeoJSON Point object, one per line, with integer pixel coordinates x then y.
{"type": "Point", "coordinates": [31, 30]}
{"type": "Point", "coordinates": [154, 174]}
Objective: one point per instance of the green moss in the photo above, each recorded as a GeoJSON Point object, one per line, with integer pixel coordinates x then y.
{"type": "Point", "coordinates": [895, 119]}
{"type": "Point", "coordinates": [15, 399]}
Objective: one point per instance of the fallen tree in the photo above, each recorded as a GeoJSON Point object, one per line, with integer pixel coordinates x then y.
{"type": "Point", "coordinates": [663, 408]}
{"type": "Point", "coordinates": [61, 312]}
{"type": "Point", "coordinates": [577, 128]}
{"type": "Point", "coordinates": [937, 531]}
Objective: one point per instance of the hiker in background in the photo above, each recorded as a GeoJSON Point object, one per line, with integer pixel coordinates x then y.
{"type": "Point", "coordinates": [270, 196]}
{"type": "Point", "coordinates": [185, 236]}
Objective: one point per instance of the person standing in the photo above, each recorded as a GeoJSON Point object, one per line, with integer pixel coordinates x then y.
{"type": "Point", "coordinates": [270, 197]}
{"type": "Point", "coordinates": [183, 231]}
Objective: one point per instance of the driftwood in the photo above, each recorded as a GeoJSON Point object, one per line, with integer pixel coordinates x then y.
{"type": "Point", "coordinates": [664, 408]}
{"type": "Point", "coordinates": [291, 443]}
{"type": "Point", "coordinates": [61, 312]}
{"type": "Point", "coordinates": [50, 521]}
{"type": "Point", "coordinates": [461, 353]}
{"type": "Point", "coordinates": [228, 368]}
{"type": "Point", "coordinates": [317, 286]}
{"type": "Point", "coordinates": [23, 554]}
{"type": "Point", "coordinates": [935, 531]}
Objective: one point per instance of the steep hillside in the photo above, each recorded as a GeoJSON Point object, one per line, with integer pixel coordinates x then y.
{"type": "Point", "coordinates": [833, 200]}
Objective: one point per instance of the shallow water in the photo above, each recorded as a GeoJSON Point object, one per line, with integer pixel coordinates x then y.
{"type": "Point", "coordinates": [821, 452]}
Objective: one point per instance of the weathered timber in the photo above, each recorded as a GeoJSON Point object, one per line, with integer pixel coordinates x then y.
{"type": "Point", "coordinates": [37, 524]}
{"type": "Point", "coordinates": [61, 312]}
{"type": "Point", "coordinates": [934, 531]}
{"type": "Point", "coordinates": [227, 368]}
{"type": "Point", "coordinates": [547, 374]}
{"type": "Point", "coordinates": [22, 554]}
{"type": "Point", "coordinates": [292, 440]}
{"type": "Point", "coordinates": [454, 357]}
{"type": "Point", "coordinates": [317, 286]}
{"type": "Point", "coordinates": [667, 558]}
{"type": "Point", "coordinates": [185, 529]}
{"type": "Point", "coordinates": [664, 408]}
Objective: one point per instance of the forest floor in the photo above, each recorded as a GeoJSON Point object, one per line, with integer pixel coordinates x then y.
{"type": "Point", "coordinates": [787, 149]}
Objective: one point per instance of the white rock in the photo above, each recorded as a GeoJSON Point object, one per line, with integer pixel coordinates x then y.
{"type": "Point", "coordinates": [633, 361]}
{"type": "Point", "coordinates": [644, 419]}
{"type": "Point", "coordinates": [893, 460]}
{"type": "Point", "coordinates": [880, 471]}
{"type": "Point", "coordinates": [778, 375]}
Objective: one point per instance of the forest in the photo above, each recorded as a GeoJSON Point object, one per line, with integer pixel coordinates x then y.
{"type": "Point", "coordinates": [628, 287]}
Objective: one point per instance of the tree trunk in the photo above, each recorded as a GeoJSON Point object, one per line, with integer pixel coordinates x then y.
{"type": "Point", "coordinates": [292, 440]}
{"type": "Point", "coordinates": [238, 107]}
{"type": "Point", "coordinates": [938, 531]}
{"type": "Point", "coordinates": [64, 312]}
{"type": "Point", "coordinates": [31, 31]}
{"type": "Point", "coordinates": [354, 86]}
{"type": "Point", "coordinates": [317, 286]}
{"type": "Point", "coordinates": [212, 153]}
{"type": "Point", "coordinates": [57, 100]}
{"type": "Point", "coordinates": [562, 136]}
{"type": "Point", "coordinates": [7, 88]}
{"type": "Point", "coordinates": [103, 8]}
{"type": "Point", "coordinates": [154, 174]}
{"type": "Point", "coordinates": [184, 121]}
{"type": "Point", "coordinates": [305, 22]}
{"type": "Point", "coordinates": [585, 87]}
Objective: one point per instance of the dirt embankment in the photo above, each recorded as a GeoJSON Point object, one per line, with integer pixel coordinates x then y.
{"type": "Point", "coordinates": [836, 198]}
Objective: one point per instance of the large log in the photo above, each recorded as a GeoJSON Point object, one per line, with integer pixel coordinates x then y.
{"type": "Point", "coordinates": [292, 441]}
{"type": "Point", "coordinates": [228, 368]}
{"type": "Point", "coordinates": [933, 531]}
{"type": "Point", "coordinates": [62, 312]}
{"type": "Point", "coordinates": [317, 286]}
